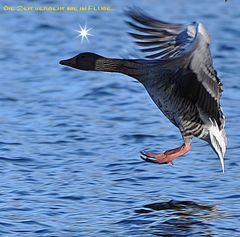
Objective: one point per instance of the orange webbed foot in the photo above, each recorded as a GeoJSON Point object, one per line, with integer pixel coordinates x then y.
{"type": "Point", "coordinates": [166, 157]}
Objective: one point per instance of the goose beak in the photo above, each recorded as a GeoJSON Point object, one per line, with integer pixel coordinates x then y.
{"type": "Point", "coordinates": [71, 62]}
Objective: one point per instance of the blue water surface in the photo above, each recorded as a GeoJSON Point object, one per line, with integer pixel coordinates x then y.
{"type": "Point", "coordinates": [70, 140]}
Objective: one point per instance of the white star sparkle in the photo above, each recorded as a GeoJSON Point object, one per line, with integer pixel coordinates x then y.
{"type": "Point", "coordinates": [83, 32]}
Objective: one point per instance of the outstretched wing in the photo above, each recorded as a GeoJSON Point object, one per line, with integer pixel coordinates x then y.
{"type": "Point", "coordinates": [158, 38]}
{"type": "Point", "coordinates": [183, 50]}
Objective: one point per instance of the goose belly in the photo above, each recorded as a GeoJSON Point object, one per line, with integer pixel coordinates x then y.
{"type": "Point", "coordinates": [165, 99]}
{"type": "Point", "coordinates": [180, 111]}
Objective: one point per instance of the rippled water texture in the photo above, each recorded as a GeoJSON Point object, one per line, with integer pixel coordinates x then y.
{"type": "Point", "coordinates": [70, 140]}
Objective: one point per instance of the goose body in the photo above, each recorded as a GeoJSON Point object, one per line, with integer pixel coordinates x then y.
{"type": "Point", "coordinates": [179, 76]}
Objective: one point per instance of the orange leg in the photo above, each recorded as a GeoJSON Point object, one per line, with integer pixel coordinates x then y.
{"type": "Point", "coordinates": [167, 156]}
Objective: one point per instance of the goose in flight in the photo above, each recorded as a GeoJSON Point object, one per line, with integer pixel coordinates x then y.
{"type": "Point", "coordinates": [178, 75]}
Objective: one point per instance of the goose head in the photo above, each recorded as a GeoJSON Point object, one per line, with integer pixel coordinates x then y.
{"type": "Point", "coordinates": [83, 61]}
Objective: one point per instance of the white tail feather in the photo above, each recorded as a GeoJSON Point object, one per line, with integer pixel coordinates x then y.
{"type": "Point", "coordinates": [218, 141]}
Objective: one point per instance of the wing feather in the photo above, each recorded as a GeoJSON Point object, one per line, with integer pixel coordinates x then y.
{"type": "Point", "coordinates": [159, 33]}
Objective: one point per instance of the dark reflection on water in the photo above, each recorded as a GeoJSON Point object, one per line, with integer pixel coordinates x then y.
{"type": "Point", "coordinates": [187, 206]}
{"type": "Point", "coordinates": [70, 140]}
{"type": "Point", "coordinates": [176, 218]}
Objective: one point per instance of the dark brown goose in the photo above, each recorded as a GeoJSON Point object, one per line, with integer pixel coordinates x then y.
{"type": "Point", "coordinates": [179, 76]}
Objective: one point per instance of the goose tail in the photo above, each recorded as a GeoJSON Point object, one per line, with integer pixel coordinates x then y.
{"type": "Point", "coordinates": [218, 141]}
